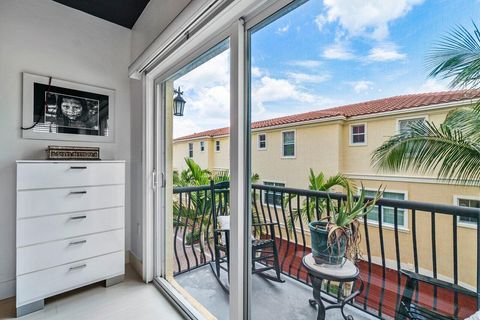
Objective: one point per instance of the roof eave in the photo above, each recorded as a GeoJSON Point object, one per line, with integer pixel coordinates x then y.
{"type": "Point", "coordinates": [428, 107]}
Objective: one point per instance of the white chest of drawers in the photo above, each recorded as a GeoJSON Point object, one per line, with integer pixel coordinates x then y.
{"type": "Point", "coordinates": [70, 227]}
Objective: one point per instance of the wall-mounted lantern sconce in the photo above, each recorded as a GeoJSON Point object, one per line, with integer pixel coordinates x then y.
{"type": "Point", "coordinates": [178, 103]}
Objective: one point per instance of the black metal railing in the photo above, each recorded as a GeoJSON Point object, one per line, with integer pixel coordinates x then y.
{"type": "Point", "coordinates": [431, 242]}
{"type": "Point", "coordinates": [193, 224]}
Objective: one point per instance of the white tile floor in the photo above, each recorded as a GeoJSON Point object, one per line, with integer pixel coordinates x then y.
{"type": "Point", "coordinates": [131, 299]}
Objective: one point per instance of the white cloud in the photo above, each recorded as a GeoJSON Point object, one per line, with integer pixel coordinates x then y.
{"type": "Point", "coordinates": [271, 89]}
{"type": "Point", "coordinates": [361, 86]}
{"type": "Point", "coordinates": [215, 71]}
{"type": "Point", "coordinates": [299, 77]}
{"type": "Point", "coordinates": [385, 52]}
{"type": "Point", "coordinates": [320, 21]}
{"type": "Point", "coordinates": [432, 85]}
{"type": "Point", "coordinates": [207, 92]}
{"type": "Point", "coordinates": [338, 51]}
{"type": "Point", "coordinates": [212, 102]}
{"type": "Point", "coordinates": [279, 92]}
{"type": "Point", "coordinates": [305, 63]}
{"type": "Point", "coordinates": [184, 126]}
{"type": "Point", "coordinates": [366, 17]}
{"type": "Point", "coordinates": [256, 72]}
{"type": "Point", "coordinates": [283, 29]}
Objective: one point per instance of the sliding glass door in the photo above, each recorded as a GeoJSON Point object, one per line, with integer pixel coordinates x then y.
{"type": "Point", "coordinates": [195, 100]}
{"type": "Point", "coordinates": [203, 197]}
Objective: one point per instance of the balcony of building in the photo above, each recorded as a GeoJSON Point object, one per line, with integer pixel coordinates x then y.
{"type": "Point", "coordinates": [422, 238]}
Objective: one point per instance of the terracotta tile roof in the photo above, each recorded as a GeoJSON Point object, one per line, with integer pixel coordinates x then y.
{"type": "Point", "coordinates": [403, 102]}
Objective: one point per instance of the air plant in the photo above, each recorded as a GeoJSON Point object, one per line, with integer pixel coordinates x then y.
{"type": "Point", "coordinates": [344, 222]}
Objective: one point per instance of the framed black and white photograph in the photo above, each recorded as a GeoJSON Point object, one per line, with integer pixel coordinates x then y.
{"type": "Point", "coordinates": [57, 109]}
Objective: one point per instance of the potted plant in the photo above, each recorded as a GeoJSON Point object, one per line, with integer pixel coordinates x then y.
{"type": "Point", "coordinates": [338, 236]}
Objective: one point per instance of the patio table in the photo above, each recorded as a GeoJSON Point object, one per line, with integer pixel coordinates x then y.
{"type": "Point", "coordinates": [347, 272]}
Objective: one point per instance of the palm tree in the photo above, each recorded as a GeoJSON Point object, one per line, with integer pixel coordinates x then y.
{"type": "Point", "coordinates": [192, 206]}
{"type": "Point", "coordinates": [194, 175]}
{"type": "Point", "coordinates": [452, 149]}
{"type": "Point", "coordinates": [314, 208]}
{"type": "Point", "coordinates": [189, 209]}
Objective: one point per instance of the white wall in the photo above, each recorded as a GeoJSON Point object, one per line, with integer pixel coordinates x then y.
{"type": "Point", "coordinates": [44, 37]}
{"type": "Point", "coordinates": [154, 19]}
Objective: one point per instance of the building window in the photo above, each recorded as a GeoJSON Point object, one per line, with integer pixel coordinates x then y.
{"type": "Point", "coordinates": [388, 213]}
{"type": "Point", "coordinates": [467, 202]}
{"type": "Point", "coordinates": [262, 141]}
{"type": "Point", "coordinates": [217, 146]}
{"type": "Point", "coordinates": [202, 146]}
{"type": "Point", "coordinates": [190, 150]}
{"type": "Point", "coordinates": [270, 197]}
{"type": "Point", "coordinates": [288, 143]}
{"type": "Point", "coordinates": [406, 124]}
{"type": "Point", "coordinates": [358, 134]}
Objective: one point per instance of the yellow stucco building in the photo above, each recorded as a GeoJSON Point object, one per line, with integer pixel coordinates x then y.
{"type": "Point", "coordinates": [341, 140]}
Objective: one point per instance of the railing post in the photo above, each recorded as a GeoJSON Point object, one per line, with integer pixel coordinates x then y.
{"type": "Point", "coordinates": [212, 200]}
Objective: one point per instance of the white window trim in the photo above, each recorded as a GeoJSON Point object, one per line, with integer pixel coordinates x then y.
{"type": "Point", "coordinates": [294, 144]}
{"type": "Point", "coordinates": [387, 225]}
{"type": "Point", "coordinates": [215, 146]}
{"type": "Point", "coordinates": [350, 135]}
{"type": "Point", "coordinates": [200, 146]}
{"type": "Point", "coordinates": [456, 199]}
{"type": "Point", "coordinates": [227, 170]}
{"type": "Point", "coordinates": [397, 127]}
{"type": "Point", "coordinates": [258, 141]}
{"type": "Point", "coordinates": [264, 198]}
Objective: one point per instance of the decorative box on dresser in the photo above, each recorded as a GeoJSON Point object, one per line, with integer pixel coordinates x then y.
{"type": "Point", "coordinates": [70, 227]}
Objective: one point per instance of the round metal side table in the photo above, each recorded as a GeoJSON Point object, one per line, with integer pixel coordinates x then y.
{"type": "Point", "coordinates": [348, 272]}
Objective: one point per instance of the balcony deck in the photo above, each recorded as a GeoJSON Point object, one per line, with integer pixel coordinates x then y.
{"type": "Point", "coordinates": [385, 251]}
{"type": "Point", "coordinates": [270, 300]}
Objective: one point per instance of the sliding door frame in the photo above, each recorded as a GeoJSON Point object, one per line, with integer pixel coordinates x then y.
{"type": "Point", "coordinates": [156, 179]}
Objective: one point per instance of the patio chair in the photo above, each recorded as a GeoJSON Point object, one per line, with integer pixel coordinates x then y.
{"type": "Point", "coordinates": [409, 309]}
{"type": "Point", "coordinates": [264, 249]}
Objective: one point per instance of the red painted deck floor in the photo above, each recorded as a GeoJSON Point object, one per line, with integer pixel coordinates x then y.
{"type": "Point", "coordinates": [382, 290]}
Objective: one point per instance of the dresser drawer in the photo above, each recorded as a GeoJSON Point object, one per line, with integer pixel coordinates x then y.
{"type": "Point", "coordinates": [31, 203]}
{"type": "Point", "coordinates": [70, 174]}
{"type": "Point", "coordinates": [51, 254]}
{"type": "Point", "coordinates": [48, 228]}
{"type": "Point", "coordinates": [38, 285]}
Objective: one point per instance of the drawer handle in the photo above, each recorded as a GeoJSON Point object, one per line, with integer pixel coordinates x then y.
{"type": "Point", "coordinates": [78, 217]}
{"type": "Point", "coordinates": [78, 167]}
{"type": "Point", "coordinates": [77, 267]}
{"type": "Point", "coordinates": [77, 242]}
{"type": "Point", "coordinates": [78, 192]}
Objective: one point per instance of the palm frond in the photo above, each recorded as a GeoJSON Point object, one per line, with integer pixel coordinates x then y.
{"type": "Point", "coordinates": [427, 148]}
{"type": "Point", "coordinates": [457, 57]}
{"type": "Point", "coordinates": [467, 120]}
{"type": "Point", "coordinates": [314, 207]}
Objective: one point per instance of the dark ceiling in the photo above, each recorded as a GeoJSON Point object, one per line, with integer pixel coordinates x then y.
{"type": "Point", "coordinates": [122, 12]}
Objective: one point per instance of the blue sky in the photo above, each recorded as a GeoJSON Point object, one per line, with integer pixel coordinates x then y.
{"type": "Point", "coordinates": [326, 53]}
